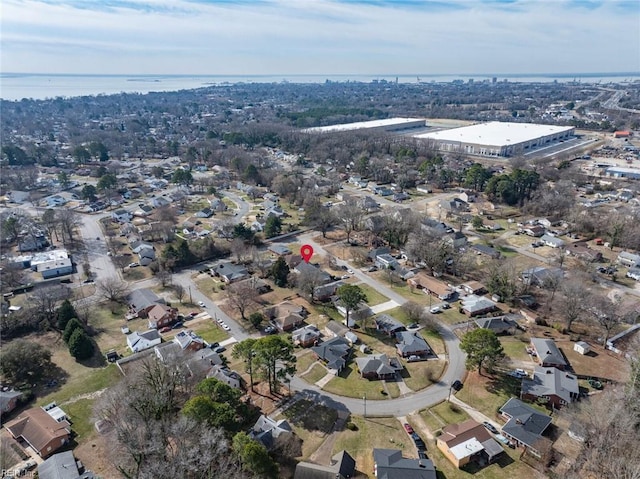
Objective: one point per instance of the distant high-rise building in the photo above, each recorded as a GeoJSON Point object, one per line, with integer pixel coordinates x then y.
{"type": "Point", "coordinates": [494, 80]}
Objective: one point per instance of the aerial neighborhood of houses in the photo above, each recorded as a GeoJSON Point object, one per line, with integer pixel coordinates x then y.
{"type": "Point", "coordinates": [468, 281]}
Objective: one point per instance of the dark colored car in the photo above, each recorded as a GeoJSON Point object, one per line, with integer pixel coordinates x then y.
{"type": "Point", "coordinates": [456, 385]}
{"type": "Point", "coordinates": [179, 324]}
{"type": "Point", "coordinates": [214, 345]}
{"type": "Point", "coordinates": [490, 427]}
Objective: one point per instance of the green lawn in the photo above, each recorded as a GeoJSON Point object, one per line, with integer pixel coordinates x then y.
{"type": "Point", "coordinates": [316, 373]}
{"type": "Point", "coordinates": [514, 348]}
{"type": "Point", "coordinates": [373, 296]}
{"type": "Point", "coordinates": [350, 384]}
{"type": "Point", "coordinates": [81, 412]}
{"type": "Point", "coordinates": [304, 359]}
{"type": "Point", "coordinates": [421, 374]}
{"type": "Point", "coordinates": [440, 415]}
{"type": "Point", "coordinates": [209, 331]}
{"type": "Point", "coordinates": [385, 433]}
{"type": "Point", "coordinates": [86, 381]}
{"type": "Point", "coordinates": [488, 394]}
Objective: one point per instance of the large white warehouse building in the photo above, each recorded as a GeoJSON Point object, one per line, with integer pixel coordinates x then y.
{"type": "Point", "coordinates": [387, 124]}
{"type": "Point", "coordinates": [497, 138]}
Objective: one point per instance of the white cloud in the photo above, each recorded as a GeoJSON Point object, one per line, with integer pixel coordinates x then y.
{"type": "Point", "coordinates": [319, 36]}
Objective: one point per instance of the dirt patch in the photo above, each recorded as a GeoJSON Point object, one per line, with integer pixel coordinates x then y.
{"type": "Point", "coordinates": [94, 453]}
{"type": "Point", "coordinates": [600, 363]}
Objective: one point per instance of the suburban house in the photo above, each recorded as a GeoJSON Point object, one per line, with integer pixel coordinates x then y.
{"type": "Point", "coordinates": [306, 336]}
{"type": "Point", "coordinates": [225, 375]}
{"type": "Point", "coordinates": [32, 242]}
{"type": "Point", "coordinates": [386, 261]}
{"type": "Point", "coordinates": [552, 241]}
{"type": "Point", "coordinates": [539, 275]}
{"type": "Point", "coordinates": [204, 213]}
{"type": "Point", "coordinates": [279, 249]}
{"type": "Point", "coordinates": [267, 430]}
{"type": "Point", "coordinates": [535, 230]}
{"type": "Point", "coordinates": [550, 386]}
{"type": "Point", "coordinates": [499, 324]}
{"type": "Point", "coordinates": [474, 305]}
{"type": "Point", "coordinates": [335, 329]}
{"type": "Point", "coordinates": [585, 253]}
{"type": "Point", "coordinates": [159, 202]}
{"type": "Point", "coordinates": [455, 205]}
{"type": "Point", "coordinates": [121, 216]}
{"type": "Point", "coordinates": [8, 401]}
{"type": "Point", "coordinates": [431, 285]}
{"type": "Point", "coordinates": [144, 210]}
{"type": "Point", "coordinates": [548, 354]}
{"type": "Point", "coordinates": [308, 268]}
{"type": "Point", "coordinates": [40, 430]}
{"type": "Point", "coordinates": [474, 287]}
{"type": "Point", "coordinates": [372, 254]}
{"type": "Point", "coordinates": [388, 325]}
{"type": "Point", "coordinates": [52, 263]}
{"type": "Point", "coordinates": [457, 239]}
{"type": "Point", "coordinates": [342, 466]}
{"type": "Point", "coordinates": [525, 425]}
{"type": "Point", "coordinates": [146, 256]}
{"type": "Point", "coordinates": [257, 284]}
{"type": "Point", "coordinates": [141, 301]}
{"type": "Point", "coordinates": [378, 366]}
{"type": "Point", "coordinates": [334, 353]}
{"type": "Point", "coordinates": [389, 464]}
{"type": "Point", "coordinates": [137, 342]}
{"type": "Point", "coordinates": [466, 442]}
{"type": "Point", "coordinates": [359, 313]}
{"type": "Point", "coordinates": [629, 260]}
{"type": "Point", "coordinates": [161, 315]}
{"type": "Point", "coordinates": [485, 250]}
{"type": "Point", "coordinates": [189, 341]}
{"type": "Point", "coordinates": [137, 246]}
{"type": "Point", "coordinates": [229, 272]}
{"type": "Point", "coordinates": [63, 466]}
{"type": "Point", "coordinates": [633, 273]}
{"type": "Point", "coordinates": [412, 344]}
{"type": "Point", "coordinates": [286, 315]}
{"type": "Point", "coordinates": [326, 291]}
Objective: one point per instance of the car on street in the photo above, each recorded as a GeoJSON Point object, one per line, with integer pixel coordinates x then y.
{"type": "Point", "coordinates": [166, 329]}
{"type": "Point", "coordinates": [225, 326]}
{"type": "Point", "coordinates": [219, 320]}
{"type": "Point", "coordinates": [178, 325]}
{"type": "Point", "coordinates": [349, 271]}
{"type": "Point", "coordinates": [201, 304]}
{"type": "Point", "coordinates": [134, 265]}
{"type": "Point", "coordinates": [408, 428]}
{"type": "Point", "coordinates": [345, 276]}
{"type": "Point", "coordinates": [490, 427]}
{"type": "Point", "coordinates": [193, 314]}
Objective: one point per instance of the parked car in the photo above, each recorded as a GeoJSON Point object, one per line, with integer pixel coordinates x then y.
{"type": "Point", "coordinates": [413, 326]}
{"type": "Point", "coordinates": [178, 325]}
{"type": "Point", "coordinates": [408, 428]}
{"type": "Point", "coordinates": [201, 304]}
{"type": "Point", "coordinates": [519, 373]}
{"type": "Point", "coordinates": [134, 265]}
{"type": "Point", "coordinates": [193, 314]}
{"type": "Point", "coordinates": [490, 427]}
{"type": "Point", "coordinates": [269, 330]}
{"type": "Point", "coordinates": [435, 310]}
{"type": "Point", "coordinates": [214, 345]}
{"type": "Point", "coordinates": [166, 329]}
{"type": "Point", "coordinates": [413, 358]}
{"type": "Point", "coordinates": [219, 349]}
{"type": "Point", "coordinates": [225, 326]}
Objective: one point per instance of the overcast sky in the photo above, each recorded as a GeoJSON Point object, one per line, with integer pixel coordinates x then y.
{"type": "Point", "coordinates": [369, 37]}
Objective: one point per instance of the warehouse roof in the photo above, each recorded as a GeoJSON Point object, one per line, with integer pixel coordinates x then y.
{"type": "Point", "coordinates": [361, 125]}
{"type": "Point", "coordinates": [496, 133]}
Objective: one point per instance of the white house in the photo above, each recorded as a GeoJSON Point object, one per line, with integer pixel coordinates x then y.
{"type": "Point", "coordinates": [121, 216]}
{"type": "Point", "coordinates": [137, 342]}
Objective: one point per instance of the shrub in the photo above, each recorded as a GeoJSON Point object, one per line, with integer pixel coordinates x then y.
{"type": "Point", "coordinates": [454, 408]}
{"type": "Point", "coordinates": [70, 328]}
{"type": "Point", "coordinates": [80, 345]}
{"type": "Point", "coordinates": [351, 426]}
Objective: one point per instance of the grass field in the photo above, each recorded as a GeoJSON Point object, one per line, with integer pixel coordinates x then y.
{"type": "Point", "coordinates": [515, 348]}
{"type": "Point", "coordinates": [350, 384]}
{"type": "Point", "coordinates": [304, 359]}
{"type": "Point", "coordinates": [421, 374]}
{"type": "Point", "coordinates": [385, 433]}
{"type": "Point", "coordinates": [438, 416]}
{"type": "Point", "coordinates": [316, 373]}
{"type": "Point", "coordinates": [373, 296]}
{"type": "Point", "coordinates": [488, 394]}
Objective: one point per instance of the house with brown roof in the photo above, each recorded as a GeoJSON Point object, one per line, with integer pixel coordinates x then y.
{"type": "Point", "coordinates": [466, 442]}
{"type": "Point", "coordinates": [431, 285]}
{"type": "Point", "coordinates": [162, 315]}
{"type": "Point", "coordinates": [39, 430]}
{"type": "Point", "coordinates": [286, 315]}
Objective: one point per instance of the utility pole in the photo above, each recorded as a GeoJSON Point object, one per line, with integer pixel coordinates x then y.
{"type": "Point", "coordinates": [190, 297]}
{"type": "Point", "coordinates": [364, 398]}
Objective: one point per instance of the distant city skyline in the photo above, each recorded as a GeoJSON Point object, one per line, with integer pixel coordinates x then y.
{"type": "Point", "coordinates": [317, 37]}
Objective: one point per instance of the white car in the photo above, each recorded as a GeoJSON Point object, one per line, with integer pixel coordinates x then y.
{"type": "Point", "coordinates": [435, 310]}
{"type": "Point", "coordinates": [225, 326]}
{"type": "Point", "coordinates": [134, 265]}
{"type": "Point", "coordinates": [201, 304]}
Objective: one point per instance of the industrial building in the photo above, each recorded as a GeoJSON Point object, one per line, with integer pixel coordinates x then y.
{"type": "Point", "coordinates": [386, 125]}
{"type": "Point", "coordinates": [497, 138]}
{"type": "Point", "coordinates": [623, 172]}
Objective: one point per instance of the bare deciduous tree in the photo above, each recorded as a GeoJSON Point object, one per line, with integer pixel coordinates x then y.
{"type": "Point", "coordinates": [350, 217]}
{"type": "Point", "coordinates": [179, 291]}
{"type": "Point", "coordinates": [112, 289]}
{"type": "Point", "coordinates": [241, 296]}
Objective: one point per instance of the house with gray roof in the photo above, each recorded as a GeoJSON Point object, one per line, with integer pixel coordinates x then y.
{"type": "Point", "coordinates": [142, 300]}
{"type": "Point", "coordinates": [627, 259]}
{"type": "Point", "coordinates": [388, 324]}
{"type": "Point", "coordinates": [499, 324]}
{"type": "Point", "coordinates": [411, 343]}
{"type": "Point", "coordinates": [225, 375]}
{"type": "Point", "coordinates": [474, 305]}
{"type": "Point", "coordinates": [334, 353]}
{"type": "Point", "coordinates": [552, 241]}
{"type": "Point", "coordinates": [63, 466]}
{"type": "Point", "coordinates": [525, 425]}
{"type": "Point", "coordinates": [305, 336]}
{"type": "Point", "coordinates": [342, 466]}
{"type": "Point", "coordinates": [548, 354]}
{"type": "Point", "coordinates": [539, 275]}
{"type": "Point", "coordinates": [137, 342]}
{"type": "Point", "coordinates": [558, 388]}
{"type": "Point", "coordinates": [389, 464]}
{"type": "Point", "coordinates": [267, 430]}
{"type": "Point", "coordinates": [229, 272]}
{"type": "Point", "coordinates": [378, 366]}
{"type": "Point", "coordinates": [311, 269]}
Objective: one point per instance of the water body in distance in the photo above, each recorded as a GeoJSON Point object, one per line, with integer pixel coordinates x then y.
{"type": "Point", "coordinates": [16, 86]}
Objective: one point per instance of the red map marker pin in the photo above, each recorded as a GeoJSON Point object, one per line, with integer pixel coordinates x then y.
{"type": "Point", "coordinates": [306, 251]}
